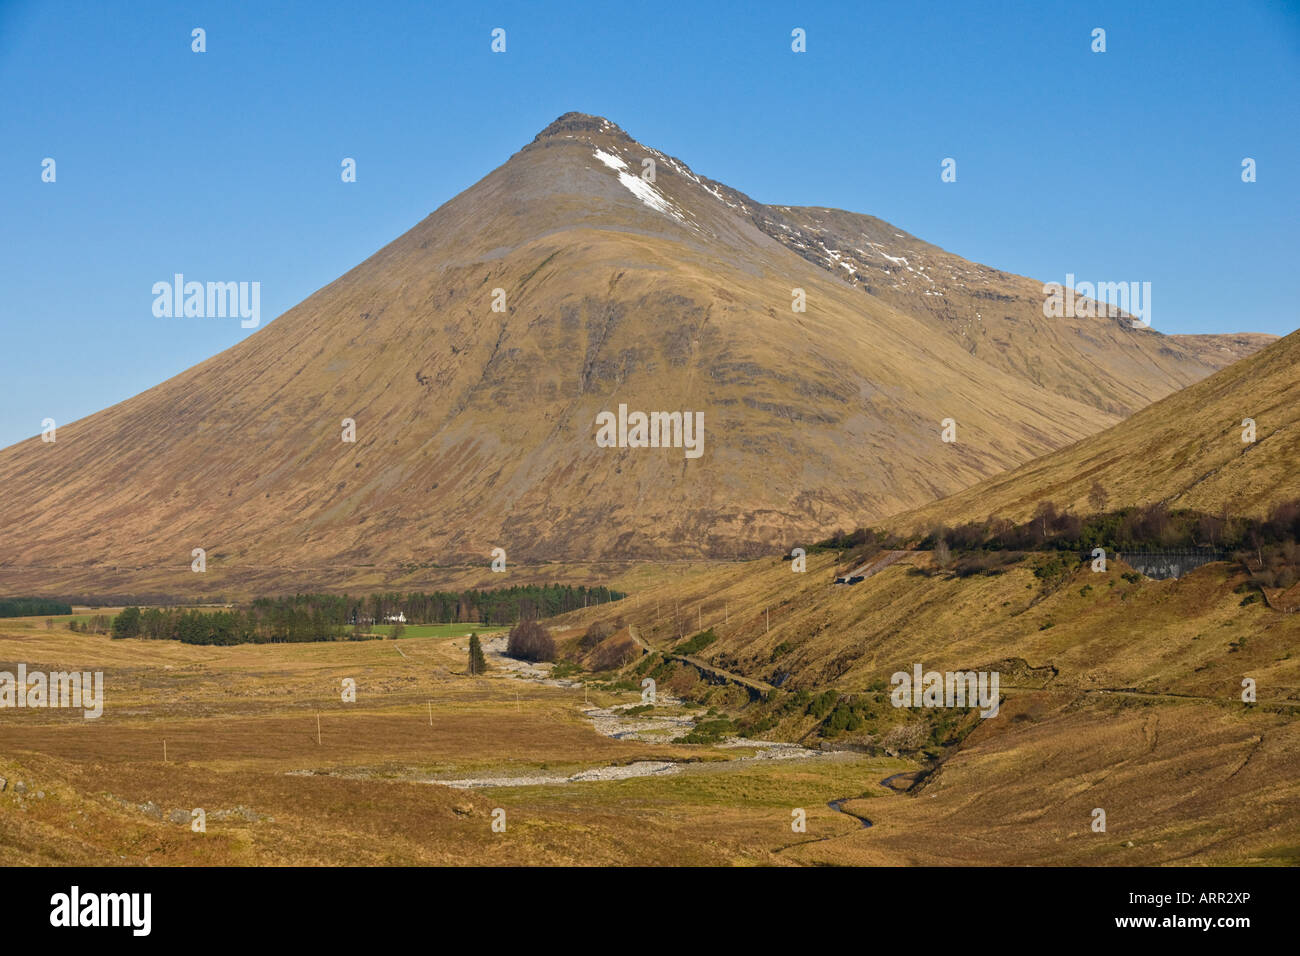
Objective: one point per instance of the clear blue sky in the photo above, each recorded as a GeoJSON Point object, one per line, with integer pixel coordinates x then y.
{"type": "Point", "coordinates": [225, 165]}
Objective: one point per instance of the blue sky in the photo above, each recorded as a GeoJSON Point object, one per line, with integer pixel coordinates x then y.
{"type": "Point", "coordinates": [1122, 166]}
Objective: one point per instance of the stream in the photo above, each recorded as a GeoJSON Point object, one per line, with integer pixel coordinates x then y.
{"type": "Point", "coordinates": [617, 723]}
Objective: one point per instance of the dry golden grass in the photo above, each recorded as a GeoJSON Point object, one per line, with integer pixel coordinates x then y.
{"type": "Point", "coordinates": [475, 428]}
{"type": "Point", "coordinates": [1185, 450]}
{"type": "Point", "coordinates": [1181, 783]}
{"type": "Point", "coordinates": [1188, 636]}
{"type": "Point", "coordinates": [240, 726]}
{"type": "Point", "coordinates": [1164, 659]}
{"type": "Point", "coordinates": [1185, 772]}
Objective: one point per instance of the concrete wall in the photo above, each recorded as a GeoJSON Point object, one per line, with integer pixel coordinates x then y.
{"type": "Point", "coordinates": [1169, 564]}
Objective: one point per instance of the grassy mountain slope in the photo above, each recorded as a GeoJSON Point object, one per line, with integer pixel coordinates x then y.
{"type": "Point", "coordinates": [475, 427]}
{"type": "Point", "coordinates": [1117, 692]}
{"type": "Point", "coordinates": [1185, 450]}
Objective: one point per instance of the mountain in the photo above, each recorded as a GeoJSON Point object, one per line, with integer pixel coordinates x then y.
{"type": "Point", "coordinates": [998, 317]}
{"type": "Point", "coordinates": [1186, 450]}
{"type": "Point", "coordinates": [476, 427]}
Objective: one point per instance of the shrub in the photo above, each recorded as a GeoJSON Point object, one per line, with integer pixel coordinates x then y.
{"type": "Point", "coordinates": [785, 647]}
{"type": "Point", "coordinates": [821, 705]}
{"type": "Point", "coordinates": [612, 655]}
{"type": "Point", "coordinates": [697, 643]}
{"type": "Point", "coordinates": [648, 663]}
{"type": "Point", "coordinates": [564, 669]}
{"type": "Point", "coordinates": [843, 717]}
{"type": "Point", "coordinates": [529, 641]}
{"type": "Point", "coordinates": [708, 732]}
{"type": "Point", "coordinates": [596, 632]}
{"type": "Point", "coordinates": [1053, 570]}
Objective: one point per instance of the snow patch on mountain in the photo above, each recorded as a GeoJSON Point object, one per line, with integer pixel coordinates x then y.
{"type": "Point", "coordinates": [895, 260]}
{"type": "Point", "coordinates": [638, 187]}
{"type": "Point", "coordinates": [610, 160]}
{"type": "Point", "coordinates": [645, 192]}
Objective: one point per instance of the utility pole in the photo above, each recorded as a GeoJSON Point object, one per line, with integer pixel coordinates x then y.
{"type": "Point", "coordinates": [768, 614]}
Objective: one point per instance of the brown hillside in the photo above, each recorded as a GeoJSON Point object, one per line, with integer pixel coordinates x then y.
{"type": "Point", "coordinates": [476, 428]}
{"type": "Point", "coordinates": [1185, 450]}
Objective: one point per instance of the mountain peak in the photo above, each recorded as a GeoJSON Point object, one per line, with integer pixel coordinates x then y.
{"type": "Point", "coordinates": [665, 292]}
{"type": "Point", "coordinates": [573, 124]}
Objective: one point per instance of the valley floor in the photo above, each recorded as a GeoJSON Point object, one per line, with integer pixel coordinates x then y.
{"type": "Point", "coordinates": [414, 771]}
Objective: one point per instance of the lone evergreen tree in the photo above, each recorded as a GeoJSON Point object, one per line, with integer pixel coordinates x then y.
{"type": "Point", "coordinates": [477, 662]}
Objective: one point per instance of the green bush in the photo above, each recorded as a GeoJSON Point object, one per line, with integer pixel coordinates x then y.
{"type": "Point", "coordinates": [650, 661]}
{"type": "Point", "coordinates": [821, 705]}
{"type": "Point", "coordinates": [565, 669]}
{"type": "Point", "coordinates": [708, 732]}
{"type": "Point", "coordinates": [843, 717]}
{"type": "Point", "coordinates": [785, 647]}
{"type": "Point", "coordinates": [1054, 569]}
{"type": "Point", "coordinates": [697, 643]}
